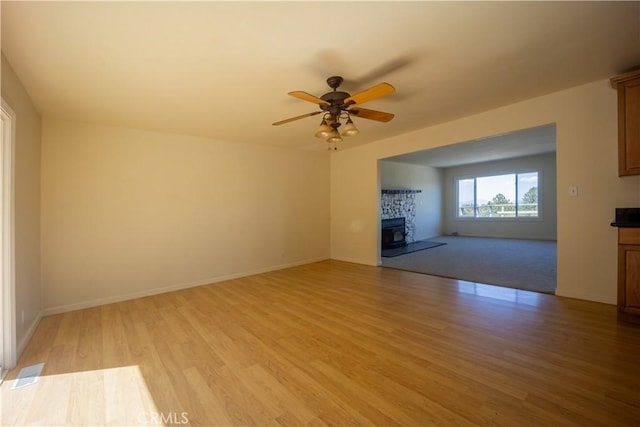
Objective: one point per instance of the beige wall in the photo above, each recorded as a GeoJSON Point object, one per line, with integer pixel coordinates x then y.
{"type": "Point", "coordinates": [586, 157]}
{"type": "Point", "coordinates": [128, 212]}
{"type": "Point", "coordinates": [28, 292]}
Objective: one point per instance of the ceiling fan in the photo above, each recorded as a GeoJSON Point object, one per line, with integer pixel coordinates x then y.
{"type": "Point", "coordinates": [337, 105]}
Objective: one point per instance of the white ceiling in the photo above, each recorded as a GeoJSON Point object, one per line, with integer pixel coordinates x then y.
{"type": "Point", "coordinates": [223, 69]}
{"type": "Point", "coordinates": [525, 142]}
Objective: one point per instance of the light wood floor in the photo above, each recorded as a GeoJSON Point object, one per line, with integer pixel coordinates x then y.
{"type": "Point", "coordinates": [334, 343]}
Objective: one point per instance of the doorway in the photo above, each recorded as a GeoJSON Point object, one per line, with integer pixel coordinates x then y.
{"type": "Point", "coordinates": [7, 275]}
{"type": "Point", "coordinates": [511, 228]}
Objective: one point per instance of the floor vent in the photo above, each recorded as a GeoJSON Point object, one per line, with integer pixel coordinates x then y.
{"type": "Point", "coordinates": [28, 375]}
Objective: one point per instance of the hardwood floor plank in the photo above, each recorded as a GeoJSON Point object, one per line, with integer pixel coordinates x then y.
{"type": "Point", "coordinates": [206, 408]}
{"type": "Point", "coordinates": [50, 402]}
{"type": "Point", "coordinates": [114, 340]}
{"type": "Point", "coordinates": [152, 370]}
{"type": "Point", "coordinates": [241, 405]}
{"type": "Point", "coordinates": [285, 369]}
{"type": "Point", "coordinates": [86, 390]}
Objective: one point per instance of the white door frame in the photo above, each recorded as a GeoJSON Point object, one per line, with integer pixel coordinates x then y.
{"type": "Point", "coordinates": [7, 247]}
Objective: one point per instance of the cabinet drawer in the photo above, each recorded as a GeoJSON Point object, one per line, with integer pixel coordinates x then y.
{"type": "Point", "coordinates": [629, 236]}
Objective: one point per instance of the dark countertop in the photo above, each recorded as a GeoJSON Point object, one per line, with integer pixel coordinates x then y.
{"type": "Point", "coordinates": [627, 217]}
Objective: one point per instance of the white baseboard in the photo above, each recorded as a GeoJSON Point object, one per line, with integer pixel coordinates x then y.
{"type": "Point", "coordinates": [355, 261]}
{"type": "Point", "coordinates": [604, 299]}
{"type": "Point", "coordinates": [494, 236]}
{"type": "Point", "coordinates": [27, 337]}
{"type": "Point", "coordinates": [125, 297]}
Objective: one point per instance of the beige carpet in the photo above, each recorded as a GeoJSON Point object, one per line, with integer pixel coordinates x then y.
{"type": "Point", "coordinates": [514, 263]}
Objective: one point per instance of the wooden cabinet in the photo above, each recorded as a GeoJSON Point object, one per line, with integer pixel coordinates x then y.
{"type": "Point", "coordinates": [629, 270]}
{"type": "Point", "coordinates": [628, 87]}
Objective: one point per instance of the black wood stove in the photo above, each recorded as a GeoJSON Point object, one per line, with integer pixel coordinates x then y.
{"type": "Point", "coordinates": [393, 233]}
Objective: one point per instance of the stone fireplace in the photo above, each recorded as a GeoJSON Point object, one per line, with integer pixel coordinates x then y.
{"type": "Point", "coordinates": [400, 204]}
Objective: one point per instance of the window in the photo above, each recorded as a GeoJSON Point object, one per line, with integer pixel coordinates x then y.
{"type": "Point", "coordinates": [498, 196]}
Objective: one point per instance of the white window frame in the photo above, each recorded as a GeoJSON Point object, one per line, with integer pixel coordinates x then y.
{"type": "Point", "coordinates": [457, 179]}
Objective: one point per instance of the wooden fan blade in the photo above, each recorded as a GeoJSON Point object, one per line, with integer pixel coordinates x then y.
{"type": "Point", "coordinates": [307, 97]}
{"type": "Point", "coordinates": [364, 113]}
{"type": "Point", "coordinates": [374, 92]}
{"type": "Point", "coordinates": [291, 119]}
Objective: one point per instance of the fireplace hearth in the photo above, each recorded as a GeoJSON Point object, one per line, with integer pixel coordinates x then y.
{"type": "Point", "coordinates": [393, 233]}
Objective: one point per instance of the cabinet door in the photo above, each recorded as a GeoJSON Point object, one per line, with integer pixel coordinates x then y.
{"type": "Point", "coordinates": [632, 282]}
{"type": "Point", "coordinates": [628, 87]}
{"type": "Point", "coordinates": [632, 126]}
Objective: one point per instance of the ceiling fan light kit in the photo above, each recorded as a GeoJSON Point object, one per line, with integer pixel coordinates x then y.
{"type": "Point", "coordinates": [338, 105]}
{"type": "Point", "coordinates": [324, 131]}
{"type": "Point", "coordinates": [349, 128]}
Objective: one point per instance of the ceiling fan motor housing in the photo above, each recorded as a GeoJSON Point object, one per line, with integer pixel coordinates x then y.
{"type": "Point", "coordinates": [334, 82]}
{"type": "Point", "coordinates": [335, 99]}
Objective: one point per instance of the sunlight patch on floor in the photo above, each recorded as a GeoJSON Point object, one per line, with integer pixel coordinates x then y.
{"type": "Point", "coordinates": [499, 292]}
{"type": "Point", "coordinates": [115, 396]}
